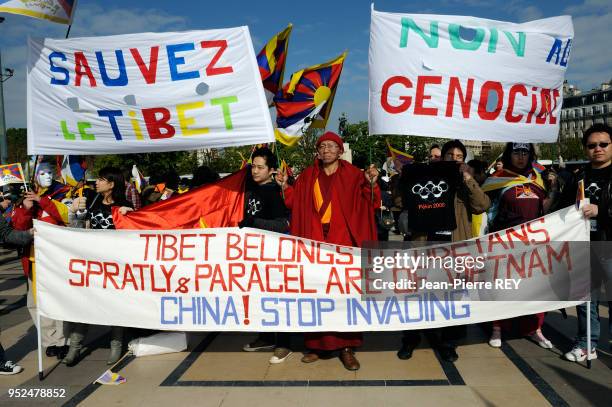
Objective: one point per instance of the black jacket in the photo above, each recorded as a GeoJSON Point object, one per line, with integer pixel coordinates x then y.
{"type": "Point", "coordinates": [604, 208]}
{"type": "Point", "coordinates": [12, 236]}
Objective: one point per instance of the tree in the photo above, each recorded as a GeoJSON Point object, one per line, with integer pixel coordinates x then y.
{"type": "Point", "coordinates": [17, 140]}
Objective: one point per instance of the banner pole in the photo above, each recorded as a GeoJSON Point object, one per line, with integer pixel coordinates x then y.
{"type": "Point", "coordinates": [588, 333]}
{"type": "Point", "coordinates": [38, 327]}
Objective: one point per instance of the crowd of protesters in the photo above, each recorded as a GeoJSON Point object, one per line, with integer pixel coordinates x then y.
{"type": "Point", "coordinates": [337, 202]}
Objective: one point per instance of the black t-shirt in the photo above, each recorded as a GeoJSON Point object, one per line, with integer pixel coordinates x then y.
{"type": "Point", "coordinates": [595, 182]}
{"type": "Point", "coordinates": [264, 201]}
{"type": "Point", "coordinates": [100, 215]}
{"type": "Point", "coordinates": [428, 194]}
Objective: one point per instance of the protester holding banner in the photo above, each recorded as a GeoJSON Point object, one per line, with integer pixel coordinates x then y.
{"type": "Point", "coordinates": [96, 208]}
{"type": "Point", "coordinates": [435, 154]}
{"type": "Point", "coordinates": [264, 209]}
{"type": "Point", "coordinates": [520, 196]}
{"type": "Point", "coordinates": [20, 238]}
{"type": "Point", "coordinates": [44, 203]}
{"type": "Point", "coordinates": [458, 192]}
{"type": "Point", "coordinates": [597, 177]}
{"type": "Point", "coordinates": [333, 201]}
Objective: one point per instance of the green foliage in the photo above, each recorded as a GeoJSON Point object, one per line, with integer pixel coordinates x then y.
{"type": "Point", "coordinates": [569, 148]}
{"type": "Point", "coordinates": [374, 148]}
{"type": "Point", "coordinates": [17, 146]}
{"type": "Point", "coordinates": [301, 155]}
{"type": "Point", "coordinates": [492, 154]}
{"type": "Point", "coordinates": [149, 163]}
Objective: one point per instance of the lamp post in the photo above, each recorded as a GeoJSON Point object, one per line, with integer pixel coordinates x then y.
{"type": "Point", "coordinates": [3, 143]}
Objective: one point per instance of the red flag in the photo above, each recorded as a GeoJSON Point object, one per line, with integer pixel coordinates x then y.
{"type": "Point", "coordinates": [220, 204]}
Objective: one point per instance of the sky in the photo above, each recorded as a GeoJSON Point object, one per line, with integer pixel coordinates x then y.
{"type": "Point", "coordinates": [322, 29]}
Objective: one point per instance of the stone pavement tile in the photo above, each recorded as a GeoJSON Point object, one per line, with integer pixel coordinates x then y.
{"type": "Point", "coordinates": [143, 377]}
{"type": "Point", "coordinates": [510, 396]}
{"type": "Point", "coordinates": [29, 373]}
{"type": "Point", "coordinates": [80, 375]}
{"type": "Point", "coordinates": [385, 365]}
{"type": "Point", "coordinates": [187, 396]}
{"type": "Point", "coordinates": [266, 396]}
{"type": "Point", "coordinates": [323, 369]}
{"type": "Point", "coordinates": [490, 372]}
{"type": "Point", "coordinates": [583, 394]}
{"type": "Point", "coordinates": [346, 396]}
{"type": "Point", "coordinates": [559, 371]}
{"type": "Point", "coordinates": [166, 357]}
{"type": "Point", "coordinates": [435, 396]}
{"type": "Point", "coordinates": [13, 286]}
{"type": "Point", "coordinates": [479, 350]}
{"type": "Point", "coordinates": [229, 366]}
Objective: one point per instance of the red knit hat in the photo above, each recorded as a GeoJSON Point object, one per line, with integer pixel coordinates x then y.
{"type": "Point", "coordinates": [331, 136]}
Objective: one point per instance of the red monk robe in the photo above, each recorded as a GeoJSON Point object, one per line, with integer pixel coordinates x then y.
{"type": "Point", "coordinates": [342, 205]}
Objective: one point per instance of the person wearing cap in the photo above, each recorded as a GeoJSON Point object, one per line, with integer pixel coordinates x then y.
{"type": "Point", "coordinates": [333, 201]}
{"type": "Point", "coordinates": [520, 200]}
{"type": "Point", "coordinates": [44, 203]}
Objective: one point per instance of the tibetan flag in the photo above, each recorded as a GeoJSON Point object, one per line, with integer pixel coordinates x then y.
{"type": "Point", "coordinates": [111, 378]}
{"type": "Point", "coordinates": [538, 167]}
{"type": "Point", "coordinates": [220, 204]}
{"type": "Point", "coordinates": [73, 169]}
{"type": "Point", "coordinates": [284, 168]}
{"type": "Point", "coordinates": [58, 11]}
{"type": "Point", "coordinates": [271, 61]}
{"type": "Point", "coordinates": [306, 101]}
{"type": "Point", "coordinates": [139, 179]}
{"type": "Point", "coordinates": [11, 174]}
{"type": "Point", "coordinates": [399, 157]}
{"type": "Point", "coordinates": [505, 178]}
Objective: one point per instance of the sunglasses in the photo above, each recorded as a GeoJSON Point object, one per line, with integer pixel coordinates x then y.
{"type": "Point", "coordinates": [592, 146]}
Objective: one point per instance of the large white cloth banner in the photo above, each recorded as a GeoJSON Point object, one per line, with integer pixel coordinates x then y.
{"type": "Point", "coordinates": [467, 78]}
{"type": "Point", "coordinates": [234, 279]}
{"type": "Point", "coordinates": [148, 92]}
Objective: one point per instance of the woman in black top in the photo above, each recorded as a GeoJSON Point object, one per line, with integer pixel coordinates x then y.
{"type": "Point", "coordinates": [96, 209]}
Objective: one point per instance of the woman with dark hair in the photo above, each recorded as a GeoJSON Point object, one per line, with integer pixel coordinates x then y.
{"type": "Point", "coordinates": [521, 198]}
{"type": "Point", "coordinates": [203, 175]}
{"type": "Point", "coordinates": [96, 209]}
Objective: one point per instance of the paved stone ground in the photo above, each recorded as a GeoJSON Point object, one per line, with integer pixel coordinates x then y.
{"type": "Point", "coordinates": [215, 372]}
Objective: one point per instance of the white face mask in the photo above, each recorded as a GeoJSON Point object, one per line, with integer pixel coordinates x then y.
{"type": "Point", "coordinates": [44, 179]}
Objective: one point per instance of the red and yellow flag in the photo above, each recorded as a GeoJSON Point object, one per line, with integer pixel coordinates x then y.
{"type": "Point", "coordinates": [220, 204]}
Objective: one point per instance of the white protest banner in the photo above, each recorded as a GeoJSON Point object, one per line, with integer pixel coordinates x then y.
{"type": "Point", "coordinates": [466, 77]}
{"type": "Point", "coordinates": [234, 279]}
{"type": "Point", "coordinates": [148, 92]}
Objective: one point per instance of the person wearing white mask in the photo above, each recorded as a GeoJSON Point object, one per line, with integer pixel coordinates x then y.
{"type": "Point", "coordinates": [43, 203]}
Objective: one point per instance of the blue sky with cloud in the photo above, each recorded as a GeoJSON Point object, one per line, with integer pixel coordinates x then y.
{"type": "Point", "coordinates": [322, 30]}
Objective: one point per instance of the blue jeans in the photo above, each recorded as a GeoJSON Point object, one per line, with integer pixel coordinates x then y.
{"type": "Point", "coordinates": [581, 310]}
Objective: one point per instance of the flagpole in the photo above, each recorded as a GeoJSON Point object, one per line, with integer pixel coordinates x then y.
{"type": "Point", "coordinates": [25, 185]}
{"type": "Point", "coordinates": [278, 159]}
{"type": "Point", "coordinates": [38, 327]}
{"type": "Point", "coordinates": [71, 18]}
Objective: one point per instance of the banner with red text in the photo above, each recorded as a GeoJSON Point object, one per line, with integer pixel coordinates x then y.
{"type": "Point", "coordinates": [231, 279]}
{"type": "Point", "coordinates": [147, 92]}
{"type": "Point", "coordinates": [467, 78]}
